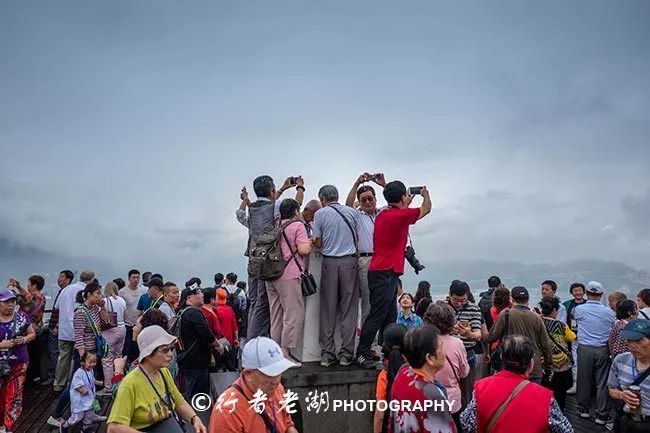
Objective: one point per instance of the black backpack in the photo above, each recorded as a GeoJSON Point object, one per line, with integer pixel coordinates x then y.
{"type": "Point", "coordinates": [265, 260]}
{"type": "Point", "coordinates": [235, 302]}
{"type": "Point", "coordinates": [484, 304]}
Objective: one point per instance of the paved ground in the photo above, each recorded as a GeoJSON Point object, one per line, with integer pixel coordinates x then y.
{"type": "Point", "coordinates": [39, 402]}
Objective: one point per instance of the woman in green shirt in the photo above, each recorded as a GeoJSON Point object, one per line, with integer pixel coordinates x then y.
{"type": "Point", "coordinates": [147, 395]}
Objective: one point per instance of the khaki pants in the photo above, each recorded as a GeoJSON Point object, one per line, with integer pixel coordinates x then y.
{"type": "Point", "coordinates": [287, 308]}
{"type": "Point", "coordinates": [63, 364]}
{"type": "Point", "coordinates": [364, 263]}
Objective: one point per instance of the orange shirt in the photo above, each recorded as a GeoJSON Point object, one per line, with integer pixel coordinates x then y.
{"type": "Point", "coordinates": [245, 420]}
{"type": "Point", "coordinates": [382, 385]}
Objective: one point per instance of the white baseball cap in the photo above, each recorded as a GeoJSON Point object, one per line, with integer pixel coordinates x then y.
{"type": "Point", "coordinates": [265, 355]}
{"type": "Point", "coordinates": [594, 287]}
{"type": "Point", "coordinates": [151, 338]}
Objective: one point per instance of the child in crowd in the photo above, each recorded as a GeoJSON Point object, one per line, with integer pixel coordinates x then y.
{"type": "Point", "coordinates": [406, 316]}
{"type": "Point", "coordinates": [82, 395]}
{"type": "Point", "coordinates": [393, 361]}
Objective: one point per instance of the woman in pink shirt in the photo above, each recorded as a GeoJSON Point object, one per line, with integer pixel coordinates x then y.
{"type": "Point", "coordinates": [285, 294]}
{"type": "Point", "coordinates": [442, 316]}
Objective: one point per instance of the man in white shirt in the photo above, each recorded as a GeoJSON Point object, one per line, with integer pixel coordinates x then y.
{"type": "Point", "coordinates": [365, 217]}
{"type": "Point", "coordinates": [643, 300]}
{"type": "Point", "coordinates": [66, 304]}
{"type": "Point", "coordinates": [131, 294]}
{"type": "Point", "coordinates": [549, 289]}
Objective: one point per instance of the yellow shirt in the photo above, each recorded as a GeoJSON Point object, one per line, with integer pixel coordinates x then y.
{"type": "Point", "coordinates": [136, 403]}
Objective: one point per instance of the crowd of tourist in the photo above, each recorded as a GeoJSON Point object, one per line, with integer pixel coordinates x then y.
{"type": "Point", "coordinates": [499, 360]}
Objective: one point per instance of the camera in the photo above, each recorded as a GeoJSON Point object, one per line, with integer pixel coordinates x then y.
{"type": "Point", "coordinates": [371, 177]}
{"type": "Point", "coordinates": [409, 254]}
{"type": "Point", "coordinates": [293, 180]}
{"type": "Point", "coordinates": [415, 190]}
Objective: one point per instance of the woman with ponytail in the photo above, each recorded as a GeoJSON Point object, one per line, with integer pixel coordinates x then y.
{"type": "Point", "coordinates": [393, 361]}
{"type": "Point", "coordinates": [441, 315]}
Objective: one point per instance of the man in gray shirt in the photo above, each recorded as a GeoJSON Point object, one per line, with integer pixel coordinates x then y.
{"type": "Point", "coordinates": [365, 217]}
{"type": "Point", "coordinates": [264, 212]}
{"type": "Point", "coordinates": [335, 233]}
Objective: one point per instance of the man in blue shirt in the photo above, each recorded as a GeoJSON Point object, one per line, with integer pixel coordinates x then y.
{"type": "Point", "coordinates": [595, 321]}
{"type": "Point", "coordinates": [631, 368]}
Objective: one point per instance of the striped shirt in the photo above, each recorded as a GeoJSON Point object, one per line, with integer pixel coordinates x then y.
{"type": "Point", "coordinates": [366, 227]}
{"type": "Point", "coordinates": [621, 375]}
{"type": "Point", "coordinates": [472, 314]}
{"type": "Point", "coordinates": [84, 337]}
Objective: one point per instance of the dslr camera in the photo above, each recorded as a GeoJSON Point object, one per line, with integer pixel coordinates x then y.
{"type": "Point", "coordinates": [409, 254]}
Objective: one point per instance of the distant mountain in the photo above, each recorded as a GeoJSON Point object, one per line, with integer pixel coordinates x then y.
{"type": "Point", "coordinates": [613, 275]}
{"type": "Point", "coordinates": [21, 262]}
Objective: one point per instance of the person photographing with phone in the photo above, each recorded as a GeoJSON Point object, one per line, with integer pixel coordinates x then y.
{"type": "Point", "coordinates": [365, 216]}
{"type": "Point", "coordinates": [387, 264]}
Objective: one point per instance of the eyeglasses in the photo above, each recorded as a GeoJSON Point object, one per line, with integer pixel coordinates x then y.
{"type": "Point", "coordinates": [367, 200]}
{"type": "Point", "coordinates": [165, 349]}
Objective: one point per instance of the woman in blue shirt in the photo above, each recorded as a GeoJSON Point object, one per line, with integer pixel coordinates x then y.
{"type": "Point", "coordinates": [406, 316]}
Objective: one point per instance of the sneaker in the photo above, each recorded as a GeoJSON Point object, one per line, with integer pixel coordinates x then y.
{"type": "Point", "coordinates": [327, 362]}
{"type": "Point", "coordinates": [345, 361]}
{"type": "Point", "coordinates": [106, 392]}
{"type": "Point", "coordinates": [54, 422]}
{"type": "Point", "coordinates": [48, 382]}
{"type": "Point", "coordinates": [366, 363]}
{"type": "Point", "coordinates": [374, 356]}
{"type": "Point", "coordinates": [3, 429]}
{"type": "Point", "coordinates": [296, 364]}
{"type": "Point", "coordinates": [604, 420]}
{"type": "Point", "coordinates": [99, 418]}
{"type": "Point", "coordinates": [582, 412]}
{"type": "Point", "coordinates": [572, 390]}
{"type": "Point", "coordinates": [609, 426]}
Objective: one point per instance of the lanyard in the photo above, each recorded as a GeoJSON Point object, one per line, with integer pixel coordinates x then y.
{"type": "Point", "coordinates": [166, 400]}
{"type": "Point", "coordinates": [154, 304]}
{"type": "Point", "coordinates": [91, 383]}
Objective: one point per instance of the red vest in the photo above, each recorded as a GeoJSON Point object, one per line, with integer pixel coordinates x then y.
{"type": "Point", "coordinates": [527, 413]}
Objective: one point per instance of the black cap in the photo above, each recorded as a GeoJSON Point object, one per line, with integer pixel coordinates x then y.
{"type": "Point", "coordinates": [156, 282]}
{"type": "Point", "coordinates": [520, 294]}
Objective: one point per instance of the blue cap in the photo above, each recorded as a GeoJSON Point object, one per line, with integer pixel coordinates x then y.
{"type": "Point", "coordinates": [636, 329]}
{"type": "Point", "coordinates": [6, 295]}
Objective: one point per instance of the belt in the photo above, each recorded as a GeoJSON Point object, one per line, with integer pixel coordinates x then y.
{"type": "Point", "coordinates": [340, 257]}
{"type": "Point", "coordinates": [365, 254]}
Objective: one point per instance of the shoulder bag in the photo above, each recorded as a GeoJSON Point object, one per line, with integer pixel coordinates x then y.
{"type": "Point", "coordinates": [270, 426]}
{"type": "Point", "coordinates": [496, 355]}
{"type": "Point", "coordinates": [101, 345]}
{"type": "Point", "coordinates": [172, 424]}
{"type": "Point", "coordinates": [112, 317]}
{"type": "Point", "coordinates": [354, 236]}
{"type": "Point", "coordinates": [307, 280]}
{"type": "Point", "coordinates": [504, 405]}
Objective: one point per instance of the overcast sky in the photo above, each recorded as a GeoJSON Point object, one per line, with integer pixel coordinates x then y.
{"type": "Point", "coordinates": [128, 127]}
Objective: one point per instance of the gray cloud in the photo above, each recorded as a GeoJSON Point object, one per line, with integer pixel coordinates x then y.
{"type": "Point", "coordinates": [132, 126]}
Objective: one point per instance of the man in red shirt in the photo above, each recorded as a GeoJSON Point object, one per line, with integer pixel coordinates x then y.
{"type": "Point", "coordinates": [390, 237]}
{"type": "Point", "coordinates": [228, 323]}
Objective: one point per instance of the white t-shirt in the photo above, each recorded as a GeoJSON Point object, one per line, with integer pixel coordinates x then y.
{"type": "Point", "coordinates": [132, 297]}
{"type": "Point", "coordinates": [167, 309]}
{"type": "Point", "coordinates": [66, 305]}
{"type": "Point", "coordinates": [117, 305]}
{"type": "Point", "coordinates": [645, 310]}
